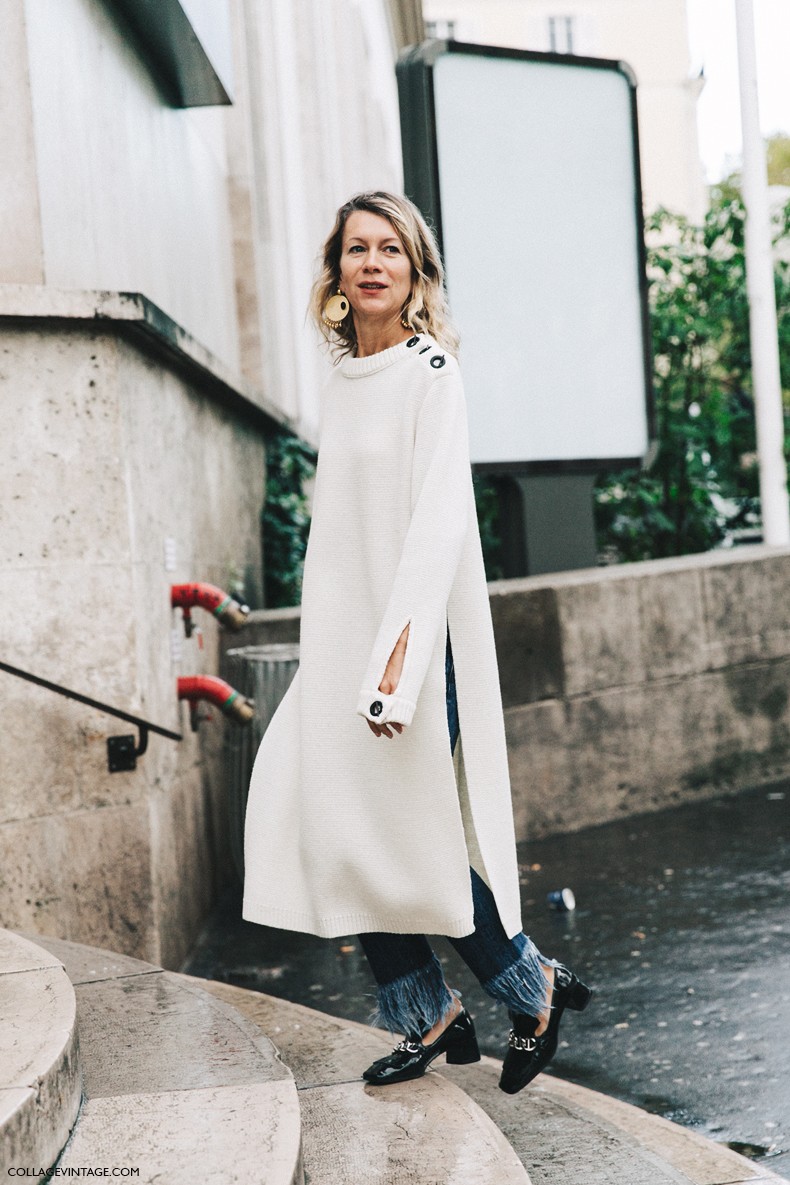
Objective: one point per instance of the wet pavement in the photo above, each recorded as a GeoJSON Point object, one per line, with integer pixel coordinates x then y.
{"type": "Point", "coordinates": [681, 924]}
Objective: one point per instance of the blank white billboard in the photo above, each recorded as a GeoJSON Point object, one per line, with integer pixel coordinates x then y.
{"type": "Point", "coordinates": [537, 180]}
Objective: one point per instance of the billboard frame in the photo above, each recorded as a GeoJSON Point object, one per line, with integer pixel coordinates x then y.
{"type": "Point", "coordinates": [415, 78]}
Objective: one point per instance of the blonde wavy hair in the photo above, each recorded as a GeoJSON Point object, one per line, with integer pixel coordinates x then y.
{"type": "Point", "coordinates": [426, 310]}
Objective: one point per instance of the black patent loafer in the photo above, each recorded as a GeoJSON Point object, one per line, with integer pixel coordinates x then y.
{"type": "Point", "coordinates": [527, 1054]}
{"type": "Point", "coordinates": [410, 1058]}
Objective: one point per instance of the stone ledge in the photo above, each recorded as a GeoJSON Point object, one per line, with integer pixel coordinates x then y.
{"type": "Point", "coordinates": [144, 323]}
{"type": "Point", "coordinates": [700, 1159]}
{"type": "Point", "coordinates": [640, 569]}
{"type": "Point", "coordinates": [562, 1129]}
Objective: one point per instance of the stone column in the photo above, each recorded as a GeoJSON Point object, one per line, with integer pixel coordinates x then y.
{"type": "Point", "coordinates": [21, 251]}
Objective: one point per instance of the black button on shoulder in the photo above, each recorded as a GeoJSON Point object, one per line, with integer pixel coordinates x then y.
{"type": "Point", "coordinates": [376, 708]}
{"type": "Point", "coordinates": [412, 341]}
{"type": "Point", "coordinates": [438, 361]}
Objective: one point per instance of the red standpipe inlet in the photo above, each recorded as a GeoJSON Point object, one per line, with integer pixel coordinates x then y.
{"type": "Point", "coordinates": [228, 611]}
{"type": "Point", "coordinates": [195, 688]}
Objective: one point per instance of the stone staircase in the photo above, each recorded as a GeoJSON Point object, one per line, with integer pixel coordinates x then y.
{"type": "Point", "coordinates": [40, 1084]}
{"type": "Point", "coordinates": [108, 1062]}
{"type": "Point", "coordinates": [174, 1082]}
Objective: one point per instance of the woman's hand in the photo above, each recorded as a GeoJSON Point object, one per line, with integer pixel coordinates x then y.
{"type": "Point", "coordinates": [390, 681]}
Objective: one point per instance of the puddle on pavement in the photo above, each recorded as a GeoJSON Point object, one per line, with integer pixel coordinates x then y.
{"type": "Point", "coordinates": [752, 1151]}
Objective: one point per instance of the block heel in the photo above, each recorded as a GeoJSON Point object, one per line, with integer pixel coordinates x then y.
{"type": "Point", "coordinates": [464, 1050]}
{"type": "Point", "coordinates": [579, 995]}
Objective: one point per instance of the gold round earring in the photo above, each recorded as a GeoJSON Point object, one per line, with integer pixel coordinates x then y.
{"type": "Point", "coordinates": [336, 310]}
{"type": "Point", "coordinates": [404, 322]}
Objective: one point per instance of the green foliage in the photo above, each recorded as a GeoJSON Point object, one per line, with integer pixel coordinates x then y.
{"type": "Point", "coordinates": [704, 483]}
{"type": "Point", "coordinates": [488, 517]}
{"type": "Point", "coordinates": [285, 519]}
{"type": "Point", "coordinates": [777, 151]}
{"type": "Point", "coordinates": [777, 160]}
{"type": "Point", "coordinates": [703, 486]}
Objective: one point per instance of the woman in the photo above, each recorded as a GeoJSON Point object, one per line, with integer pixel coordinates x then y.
{"type": "Point", "coordinates": [385, 826]}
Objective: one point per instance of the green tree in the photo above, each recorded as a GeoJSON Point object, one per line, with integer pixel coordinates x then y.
{"type": "Point", "coordinates": [704, 483]}
{"type": "Point", "coordinates": [777, 158]}
{"type": "Point", "coordinates": [285, 519]}
{"type": "Point", "coordinates": [488, 519]}
{"type": "Point", "coordinates": [777, 151]}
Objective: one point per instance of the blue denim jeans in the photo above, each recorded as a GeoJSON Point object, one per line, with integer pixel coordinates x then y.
{"type": "Point", "coordinates": [412, 993]}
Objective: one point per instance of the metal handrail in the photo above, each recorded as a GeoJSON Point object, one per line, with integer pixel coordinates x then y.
{"type": "Point", "coordinates": [91, 703]}
{"type": "Point", "coordinates": [122, 753]}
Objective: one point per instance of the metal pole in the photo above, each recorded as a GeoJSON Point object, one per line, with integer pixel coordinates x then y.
{"type": "Point", "coordinates": [762, 295]}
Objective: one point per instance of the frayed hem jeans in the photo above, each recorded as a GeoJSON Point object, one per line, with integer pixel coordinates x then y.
{"type": "Point", "coordinates": [412, 993]}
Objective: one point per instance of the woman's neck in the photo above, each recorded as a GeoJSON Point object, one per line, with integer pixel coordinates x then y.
{"type": "Point", "coordinates": [373, 337]}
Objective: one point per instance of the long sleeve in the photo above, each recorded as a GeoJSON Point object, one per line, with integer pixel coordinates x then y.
{"type": "Point", "coordinates": [441, 499]}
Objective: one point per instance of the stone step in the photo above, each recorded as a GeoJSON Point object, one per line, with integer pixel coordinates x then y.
{"type": "Point", "coordinates": [562, 1123]}
{"type": "Point", "coordinates": [39, 1064]}
{"type": "Point", "coordinates": [178, 1085]}
{"type": "Point", "coordinates": [559, 1131]}
{"type": "Point", "coordinates": [429, 1132]}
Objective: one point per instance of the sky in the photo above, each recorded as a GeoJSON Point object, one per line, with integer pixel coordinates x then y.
{"type": "Point", "coordinates": [713, 46]}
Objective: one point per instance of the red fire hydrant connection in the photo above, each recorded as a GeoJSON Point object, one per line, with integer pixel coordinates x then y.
{"type": "Point", "coordinates": [195, 688]}
{"type": "Point", "coordinates": [230, 612]}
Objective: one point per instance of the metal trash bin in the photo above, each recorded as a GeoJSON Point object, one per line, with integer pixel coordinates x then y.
{"type": "Point", "coordinates": [263, 674]}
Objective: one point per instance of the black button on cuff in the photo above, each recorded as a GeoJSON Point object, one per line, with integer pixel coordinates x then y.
{"type": "Point", "coordinates": [376, 708]}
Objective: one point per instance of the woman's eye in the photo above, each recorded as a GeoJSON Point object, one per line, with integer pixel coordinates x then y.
{"type": "Point", "coordinates": [355, 248]}
{"type": "Point", "coordinates": [394, 248]}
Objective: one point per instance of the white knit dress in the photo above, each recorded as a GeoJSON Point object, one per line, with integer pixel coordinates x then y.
{"type": "Point", "coordinates": [347, 832]}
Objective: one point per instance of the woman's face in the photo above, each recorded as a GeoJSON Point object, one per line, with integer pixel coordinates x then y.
{"type": "Point", "coordinates": [375, 271]}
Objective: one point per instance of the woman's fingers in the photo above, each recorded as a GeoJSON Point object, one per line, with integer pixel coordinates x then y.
{"type": "Point", "coordinates": [384, 729]}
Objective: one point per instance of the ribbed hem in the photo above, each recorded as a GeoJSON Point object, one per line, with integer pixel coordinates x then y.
{"type": "Point", "coordinates": [523, 986]}
{"type": "Point", "coordinates": [358, 368]}
{"type": "Point", "coordinates": [414, 1003]}
{"type": "Point", "coordinates": [340, 925]}
{"type": "Point", "coordinates": [394, 709]}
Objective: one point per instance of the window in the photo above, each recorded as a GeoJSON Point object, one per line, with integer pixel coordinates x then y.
{"type": "Point", "coordinates": [561, 34]}
{"type": "Point", "coordinates": [443, 30]}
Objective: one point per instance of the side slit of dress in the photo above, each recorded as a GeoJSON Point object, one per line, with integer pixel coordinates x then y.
{"type": "Point", "coordinates": [412, 995]}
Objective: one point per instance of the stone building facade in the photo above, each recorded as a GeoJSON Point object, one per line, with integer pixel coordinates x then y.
{"type": "Point", "coordinates": [650, 35]}
{"type": "Point", "coordinates": [169, 172]}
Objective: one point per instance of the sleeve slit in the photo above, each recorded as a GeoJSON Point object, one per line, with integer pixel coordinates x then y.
{"type": "Point", "coordinates": [406, 653]}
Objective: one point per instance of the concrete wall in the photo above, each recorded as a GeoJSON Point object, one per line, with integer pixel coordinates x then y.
{"type": "Point", "coordinates": [323, 120]}
{"type": "Point", "coordinates": [117, 190]}
{"type": "Point", "coordinates": [115, 461]}
{"type": "Point", "coordinates": [632, 688]}
{"type": "Point", "coordinates": [652, 36]}
{"type": "Point", "coordinates": [216, 214]}
{"type": "Point", "coordinates": [155, 262]}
